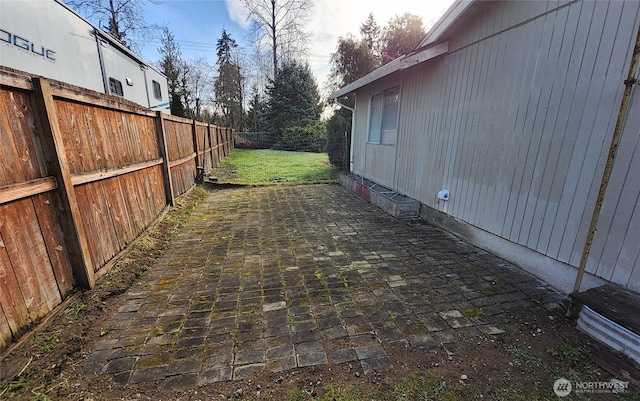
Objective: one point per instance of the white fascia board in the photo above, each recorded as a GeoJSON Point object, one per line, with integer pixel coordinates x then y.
{"type": "Point", "coordinates": [370, 77]}
{"type": "Point", "coordinates": [448, 18]}
{"type": "Point", "coordinates": [398, 64]}
{"type": "Point", "coordinates": [424, 55]}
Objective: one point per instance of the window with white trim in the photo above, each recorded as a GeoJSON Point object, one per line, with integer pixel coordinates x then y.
{"type": "Point", "coordinates": [383, 117]}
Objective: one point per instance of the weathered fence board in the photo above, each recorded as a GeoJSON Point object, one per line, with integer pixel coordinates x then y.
{"type": "Point", "coordinates": [5, 330]}
{"type": "Point", "coordinates": [181, 149]}
{"type": "Point", "coordinates": [110, 169]}
{"type": "Point", "coordinates": [27, 256]}
{"type": "Point", "coordinates": [20, 159]}
{"type": "Point", "coordinates": [202, 134]}
{"type": "Point", "coordinates": [51, 139]}
{"type": "Point", "coordinates": [25, 189]}
{"type": "Point", "coordinates": [15, 308]}
{"type": "Point", "coordinates": [45, 208]}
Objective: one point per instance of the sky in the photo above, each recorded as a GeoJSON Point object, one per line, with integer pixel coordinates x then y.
{"type": "Point", "coordinates": [197, 24]}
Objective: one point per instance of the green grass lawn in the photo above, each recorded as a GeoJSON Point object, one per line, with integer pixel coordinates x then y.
{"type": "Point", "coordinates": [261, 167]}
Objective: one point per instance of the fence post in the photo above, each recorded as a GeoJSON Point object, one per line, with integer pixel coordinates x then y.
{"type": "Point", "coordinates": [194, 133]}
{"type": "Point", "coordinates": [213, 163]}
{"type": "Point", "coordinates": [225, 141]}
{"type": "Point", "coordinates": [71, 221]}
{"type": "Point", "coordinates": [225, 137]}
{"type": "Point", "coordinates": [199, 163]}
{"type": "Point", "coordinates": [164, 153]}
{"type": "Point", "coordinates": [218, 145]}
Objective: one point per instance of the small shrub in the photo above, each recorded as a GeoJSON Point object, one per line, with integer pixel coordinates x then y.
{"type": "Point", "coordinates": [309, 138]}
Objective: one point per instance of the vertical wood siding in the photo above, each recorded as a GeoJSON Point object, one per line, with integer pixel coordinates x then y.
{"type": "Point", "coordinates": [515, 121]}
{"type": "Point", "coordinates": [117, 168]}
{"type": "Point", "coordinates": [378, 160]}
{"type": "Point", "coordinates": [616, 246]}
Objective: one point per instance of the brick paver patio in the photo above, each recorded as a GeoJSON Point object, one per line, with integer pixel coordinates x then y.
{"type": "Point", "coordinates": [291, 276]}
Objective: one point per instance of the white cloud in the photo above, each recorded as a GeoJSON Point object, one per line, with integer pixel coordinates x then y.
{"type": "Point", "coordinates": [331, 19]}
{"type": "Point", "coordinates": [237, 13]}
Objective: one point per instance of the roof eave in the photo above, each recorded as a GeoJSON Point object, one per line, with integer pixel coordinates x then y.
{"type": "Point", "coordinates": [398, 64]}
{"type": "Point", "coordinates": [444, 23]}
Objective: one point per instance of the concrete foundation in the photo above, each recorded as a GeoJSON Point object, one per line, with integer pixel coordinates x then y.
{"type": "Point", "coordinates": [555, 273]}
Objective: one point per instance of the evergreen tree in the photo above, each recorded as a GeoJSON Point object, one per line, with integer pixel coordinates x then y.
{"type": "Point", "coordinates": [177, 108]}
{"type": "Point", "coordinates": [352, 60]}
{"type": "Point", "coordinates": [257, 113]}
{"type": "Point", "coordinates": [338, 144]}
{"type": "Point", "coordinates": [228, 83]}
{"type": "Point", "coordinates": [370, 31]}
{"type": "Point", "coordinates": [171, 66]}
{"type": "Point", "coordinates": [293, 98]}
{"type": "Point", "coordinates": [401, 36]}
{"type": "Point", "coordinates": [224, 47]}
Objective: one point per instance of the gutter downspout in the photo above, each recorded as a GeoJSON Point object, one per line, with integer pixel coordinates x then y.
{"type": "Point", "coordinates": [608, 168]}
{"type": "Point", "coordinates": [353, 124]}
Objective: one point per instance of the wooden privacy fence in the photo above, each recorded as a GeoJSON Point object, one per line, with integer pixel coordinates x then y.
{"type": "Point", "coordinates": [82, 174]}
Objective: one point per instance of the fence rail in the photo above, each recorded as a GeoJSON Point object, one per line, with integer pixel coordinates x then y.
{"type": "Point", "coordinates": [82, 175]}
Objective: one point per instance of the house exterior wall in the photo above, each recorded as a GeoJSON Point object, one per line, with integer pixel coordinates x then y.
{"type": "Point", "coordinates": [375, 161]}
{"type": "Point", "coordinates": [515, 120]}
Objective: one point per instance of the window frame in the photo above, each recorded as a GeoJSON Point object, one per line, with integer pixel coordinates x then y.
{"type": "Point", "coordinates": [115, 87]}
{"type": "Point", "coordinates": [379, 105]}
{"type": "Point", "coordinates": [157, 89]}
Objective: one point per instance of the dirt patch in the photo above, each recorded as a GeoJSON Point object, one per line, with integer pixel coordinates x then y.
{"type": "Point", "coordinates": [225, 173]}
{"type": "Point", "coordinates": [521, 363]}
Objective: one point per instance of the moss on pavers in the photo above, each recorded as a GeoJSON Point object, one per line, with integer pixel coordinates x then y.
{"type": "Point", "coordinates": [266, 278]}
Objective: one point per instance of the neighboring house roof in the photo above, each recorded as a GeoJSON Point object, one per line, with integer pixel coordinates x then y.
{"type": "Point", "coordinates": [426, 50]}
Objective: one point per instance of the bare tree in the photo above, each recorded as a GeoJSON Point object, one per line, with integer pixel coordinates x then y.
{"type": "Point", "coordinates": [195, 85]}
{"type": "Point", "coordinates": [122, 19]}
{"type": "Point", "coordinates": [280, 25]}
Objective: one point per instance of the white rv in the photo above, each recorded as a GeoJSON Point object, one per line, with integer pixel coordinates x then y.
{"type": "Point", "coordinates": [45, 37]}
